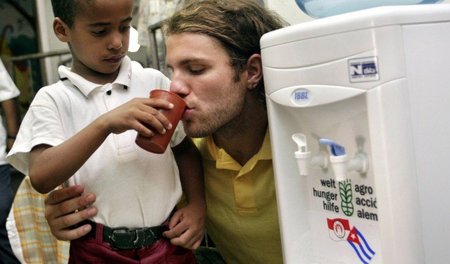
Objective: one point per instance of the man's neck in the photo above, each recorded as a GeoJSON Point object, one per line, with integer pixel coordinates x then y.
{"type": "Point", "coordinates": [243, 138]}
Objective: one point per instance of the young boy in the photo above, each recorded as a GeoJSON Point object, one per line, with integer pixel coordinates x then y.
{"type": "Point", "coordinates": [82, 130]}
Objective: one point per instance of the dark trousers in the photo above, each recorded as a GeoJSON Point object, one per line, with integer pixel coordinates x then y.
{"type": "Point", "coordinates": [6, 197]}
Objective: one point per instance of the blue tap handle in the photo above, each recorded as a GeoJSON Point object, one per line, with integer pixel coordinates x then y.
{"type": "Point", "coordinates": [336, 149]}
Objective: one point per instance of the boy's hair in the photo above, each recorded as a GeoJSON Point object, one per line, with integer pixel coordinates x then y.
{"type": "Point", "coordinates": [66, 10]}
{"type": "Point", "coordinates": [237, 25]}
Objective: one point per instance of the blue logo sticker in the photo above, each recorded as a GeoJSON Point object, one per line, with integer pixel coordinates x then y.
{"type": "Point", "coordinates": [363, 69]}
{"type": "Point", "coordinates": [301, 96]}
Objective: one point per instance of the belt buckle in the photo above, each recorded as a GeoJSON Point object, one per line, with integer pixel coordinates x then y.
{"type": "Point", "coordinates": [124, 238]}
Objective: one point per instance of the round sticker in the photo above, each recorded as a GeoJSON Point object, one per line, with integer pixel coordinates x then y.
{"type": "Point", "coordinates": [301, 96]}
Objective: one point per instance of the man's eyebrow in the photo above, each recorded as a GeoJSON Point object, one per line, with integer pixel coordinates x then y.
{"type": "Point", "coordinates": [187, 61]}
{"type": "Point", "coordinates": [191, 60]}
{"type": "Point", "coordinates": [183, 62]}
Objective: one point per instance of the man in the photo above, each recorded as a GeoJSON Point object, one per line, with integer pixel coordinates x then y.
{"type": "Point", "coordinates": [213, 53]}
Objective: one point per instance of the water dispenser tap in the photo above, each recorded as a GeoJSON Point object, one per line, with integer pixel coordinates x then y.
{"type": "Point", "coordinates": [302, 154]}
{"type": "Point", "coordinates": [304, 157]}
{"type": "Point", "coordinates": [359, 163]}
{"type": "Point", "coordinates": [338, 158]}
{"type": "Point", "coordinates": [339, 162]}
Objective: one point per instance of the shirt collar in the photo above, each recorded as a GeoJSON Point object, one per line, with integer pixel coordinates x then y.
{"type": "Point", "coordinates": [86, 87]}
{"type": "Point", "coordinates": [225, 161]}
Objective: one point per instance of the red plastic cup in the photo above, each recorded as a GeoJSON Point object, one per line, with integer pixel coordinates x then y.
{"type": "Point", "coordinates": [159, 142]}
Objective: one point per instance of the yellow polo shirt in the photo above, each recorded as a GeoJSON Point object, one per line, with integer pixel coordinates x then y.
{"type": "Point", "coordinates": [242, 217]}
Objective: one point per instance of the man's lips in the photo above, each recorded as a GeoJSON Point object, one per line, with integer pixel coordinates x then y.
{"type": "Point", "coordinates": [187, 113]}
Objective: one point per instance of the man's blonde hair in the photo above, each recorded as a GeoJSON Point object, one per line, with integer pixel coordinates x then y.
{"type": "Point", "coordinates": [237, 25]}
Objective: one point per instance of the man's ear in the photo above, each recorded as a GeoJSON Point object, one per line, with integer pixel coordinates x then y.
{"type": "Point", "coordinates": [61, 30]}
{"type": "Point", "coordinates": [254, 70]}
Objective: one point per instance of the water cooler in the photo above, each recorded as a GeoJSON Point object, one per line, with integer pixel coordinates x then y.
{"type": "Point", "coordinates": [359, 117]}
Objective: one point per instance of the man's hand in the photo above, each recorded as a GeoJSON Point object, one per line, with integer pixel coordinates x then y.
{"type": "Point", "coordinates": [187, 227]}
{"type": "Point", "coordinates": [67, 207]}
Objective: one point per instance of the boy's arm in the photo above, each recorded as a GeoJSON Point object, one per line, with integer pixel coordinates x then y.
{"type": "Point", "coordinates": [52, 166]}
{"type": "Point", "coordinates": [187, 224]}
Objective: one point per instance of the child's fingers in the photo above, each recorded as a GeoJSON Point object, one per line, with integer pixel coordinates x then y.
{"type": "Point", "coordinates": [156, 119]}
{"type": "Point", "coordinates": [159, 103]}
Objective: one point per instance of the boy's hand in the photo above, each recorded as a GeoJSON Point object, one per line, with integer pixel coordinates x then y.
{"type": "Point", "coordinates": [67, 207]}
{"type": "Point", "coordinates": [140, 114]}
{"type": "Point", "coordinates": [187, 227]}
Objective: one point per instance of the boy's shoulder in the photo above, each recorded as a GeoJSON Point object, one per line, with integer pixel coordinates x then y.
{"type": "Point", "coordinates": [62, 88]}
{"type": "Point", "coordinates": [51, 87]}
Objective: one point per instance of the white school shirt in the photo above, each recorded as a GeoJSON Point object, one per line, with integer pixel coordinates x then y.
{"type": "Point", "coordinates": [134, 188]}
{"type": "Point", "coordinates": [8, 90]}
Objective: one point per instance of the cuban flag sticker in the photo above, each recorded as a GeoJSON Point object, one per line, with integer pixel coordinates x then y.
{"type": "Point", "coordinates": [339, 230]}
{"type": "Point", "coordinates": [360, 246]}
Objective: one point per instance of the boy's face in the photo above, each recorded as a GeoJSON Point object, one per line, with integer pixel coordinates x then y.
{"type": "Point", "coordinates": [99, 38]}
{"type": "Point", "coordinates": [202, 74]}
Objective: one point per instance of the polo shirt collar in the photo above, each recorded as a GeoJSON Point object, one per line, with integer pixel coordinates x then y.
{"type": "Point", "coordinates": [225, 161]}
{"type": "Point", "coordinates": [86, 87]}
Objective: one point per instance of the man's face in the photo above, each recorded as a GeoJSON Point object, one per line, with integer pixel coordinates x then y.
{"type": "Point", "coordinates": [99, 36]}
{"type": "Point", "coordinates": [203, 76]}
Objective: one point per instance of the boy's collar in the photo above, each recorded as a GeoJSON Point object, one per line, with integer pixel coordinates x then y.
{"type": "Point", "coordinates": [86, 87]}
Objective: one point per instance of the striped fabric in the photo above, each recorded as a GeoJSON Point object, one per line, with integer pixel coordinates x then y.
{"type": "Point", "coordinates": [28, 230]}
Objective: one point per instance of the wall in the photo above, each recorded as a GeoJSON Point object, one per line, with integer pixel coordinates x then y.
{"type": "Point", "coordinates": [289, 10]}
{"type": "Point", "coordinates": [18, 37]}
{"type": "Point", "coordinates": [48, 41]}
